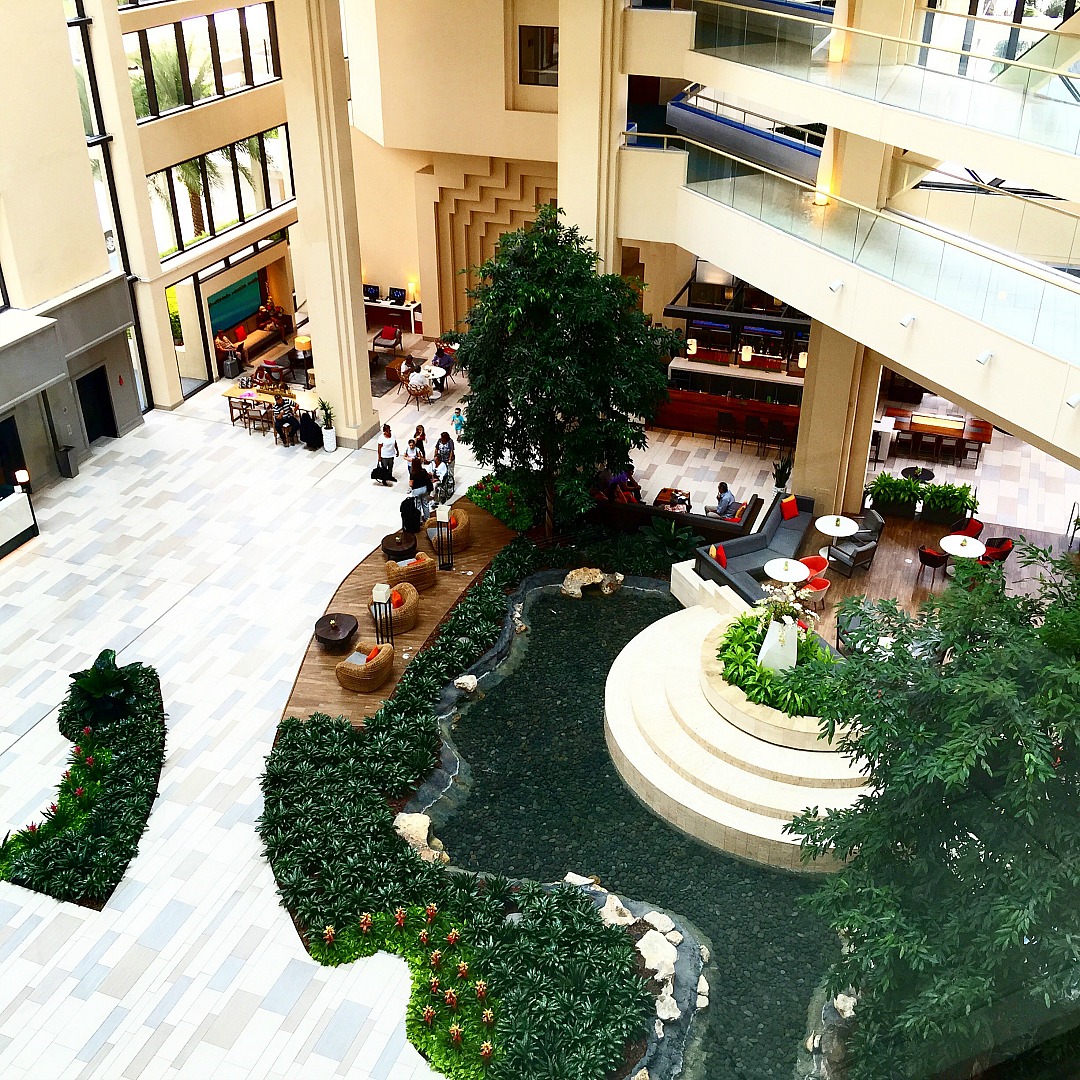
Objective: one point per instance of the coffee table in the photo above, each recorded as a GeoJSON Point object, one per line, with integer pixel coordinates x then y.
{"type": "Point", "coordinates": [913, 472]}
{"type": "Point", "coordinates": [398, 546]}
{"type": "Point", "coordinates": [961, 547]}
{"type": "Point", "coordinates": [835, 525]}
{"type": "Point", "coordinates": [335, 629]}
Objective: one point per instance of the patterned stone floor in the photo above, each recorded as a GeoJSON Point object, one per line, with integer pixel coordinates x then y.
{"type": "Point", "coordinates": [207, 552]}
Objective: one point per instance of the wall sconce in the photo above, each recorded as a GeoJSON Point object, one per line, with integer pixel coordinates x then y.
{"type": "Point", "coordinates": [836, 286]}
{"type": "Point", "coordinates": [691, 346]}
{"type": "Point", "coordinates": [747, 353]}
{"type": "Point", "coordinates": [907, 320]}
{"type": "Point", "coordinates": [444, 538]}
{"type": "Point", "coordinates": [411, 291]}
{"type": "Point", "coordinates": [803, 357]}
{"type": "Point", "coordinates": [383, 612]}
{"type": "Point", "coordinates": [1073, 401]}
{"type": "Point", "coordinates": [821, 196]}
{"type": "Point", "coordinates": [984, 357]}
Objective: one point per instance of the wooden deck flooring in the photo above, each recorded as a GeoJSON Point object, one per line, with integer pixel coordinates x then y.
{"type": "Point", "coordinates": [895, 573]}
{"type": "Point", "coordinates": [316, 688]}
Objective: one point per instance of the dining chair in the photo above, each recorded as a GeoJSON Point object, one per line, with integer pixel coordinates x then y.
{"type": "Point", "coordinates": [418, 394]}
{"type": "Point", "coordinates": [933, 558]}
{"type": "Point", "coordinates": [725, 429]}
{"type": "Point", "coordinates": [753, 431]}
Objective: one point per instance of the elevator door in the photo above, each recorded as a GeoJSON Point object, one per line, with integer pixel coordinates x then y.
{"type": "Point", "coordinates": [96, 405]}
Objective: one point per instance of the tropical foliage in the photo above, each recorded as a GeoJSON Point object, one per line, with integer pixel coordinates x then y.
{"type": "Point", "coordinates": [82, 846]}
{"type": "Point", "coordinates": [564, 369]}
{"type": "Point", "coordinates": [549, 993]}
{"type": "Point", "coordinates": [958, 899]}
{"type": "Point", "coordinates": [498, 493]}
{"type": "Point", "coordinates": [953, 499]}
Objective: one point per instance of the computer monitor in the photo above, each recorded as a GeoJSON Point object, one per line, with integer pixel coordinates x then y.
{"type": "Point", "coordinates": [371, 292]}
{"type": "Point", "coordinates": [396, 296]}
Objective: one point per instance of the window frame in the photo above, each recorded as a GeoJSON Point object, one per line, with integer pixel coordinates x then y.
{"type": "Point", "coordinates": [543, 33]}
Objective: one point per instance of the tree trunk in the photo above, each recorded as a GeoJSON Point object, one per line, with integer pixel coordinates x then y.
{"type": "Point", "coordinates": [198, 222]}
{"type": "Point", "coordinates": [549, 507]}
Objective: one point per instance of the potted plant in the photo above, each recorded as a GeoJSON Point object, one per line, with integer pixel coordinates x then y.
{"type": "Point", "coordinates": [944, 503]}
{"type": "Point", "coordinates": [329, 435]}
{"type": "Point", "coordinates": [781, 471]}
{"type": "Point", "coordinates": [894, 496]}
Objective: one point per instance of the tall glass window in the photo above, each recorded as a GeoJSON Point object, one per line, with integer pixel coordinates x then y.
{"type": "Point", "coordinates": [538, 55]}
{"type": "Point", "coordinates": [199, 59]}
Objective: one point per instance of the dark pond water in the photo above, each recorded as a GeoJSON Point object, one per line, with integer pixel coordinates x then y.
{"type": "Point", "coordinates": [546, 799]}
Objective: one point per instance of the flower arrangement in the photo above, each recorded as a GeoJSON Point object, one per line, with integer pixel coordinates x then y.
{"type": "Point", "coordinates": [503, 499]}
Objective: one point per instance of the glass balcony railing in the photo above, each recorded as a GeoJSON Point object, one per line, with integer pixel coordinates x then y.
{"type": "Point", "coordinates": [1036, 102]}
{"type": "Point", "coordinates": [1029, 303]}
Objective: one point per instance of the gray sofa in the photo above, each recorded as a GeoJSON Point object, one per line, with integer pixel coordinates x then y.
{"type": "Point", "coordinates": [747, 555]}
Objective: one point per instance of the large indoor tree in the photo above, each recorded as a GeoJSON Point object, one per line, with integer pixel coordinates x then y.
{"type": "Point", "coordinates": [959, 904]}
{"type": "Point", "coordinates": [564, 369]}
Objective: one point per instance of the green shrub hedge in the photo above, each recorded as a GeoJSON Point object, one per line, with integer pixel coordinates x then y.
{"type": "Point", "coordinates": [501, 495]}
{"type": "Point", "coordinates": [82, 847]}
{"type": "Point", "coordinates": [558, 986]}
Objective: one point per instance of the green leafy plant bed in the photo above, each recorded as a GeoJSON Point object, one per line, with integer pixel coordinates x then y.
{"type": "Point", "coordinates": [946, 502]}
{"type": "Point", "coordinates": [499, 495]}
{"type": "Point", "coordinates": [82, 847]}
{"type": "Point", "coordinates": [895, 496]}
{"type": "Point", "coordinates": [558, 987]}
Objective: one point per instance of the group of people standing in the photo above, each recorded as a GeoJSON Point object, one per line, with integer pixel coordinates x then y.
{"type": "Point", "coordinates": [428, 477]}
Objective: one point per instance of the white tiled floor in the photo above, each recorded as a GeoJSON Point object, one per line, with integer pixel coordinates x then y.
{"type": "Point", "coordinates": [208, 552]}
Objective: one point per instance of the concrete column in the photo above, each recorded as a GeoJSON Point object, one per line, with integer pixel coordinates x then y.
{"type": "Point", "coordinates": [192, 361]}
{"type": "Point", "coordinates": [427, 206]}
{"type": "Point", "coordinates": [592, 115]}
{"type": "Point", "coordinates": [839, 399]}
{"type": "Point", "coordinates": [158, 344]}
{"type": "Point", "coordinates": [316, 95]}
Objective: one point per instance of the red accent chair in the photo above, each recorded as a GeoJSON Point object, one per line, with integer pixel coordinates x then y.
{"type": "Point", "coordinates": [813, 591]}
{"type": "Point", "coordinates": [933, 558]}
{"type": "Point", "coordinates": [967, 527]}
{"type": "Point", "coordinates": [816, 564]}
{"type": "Point", "coordinates": [998, 549]}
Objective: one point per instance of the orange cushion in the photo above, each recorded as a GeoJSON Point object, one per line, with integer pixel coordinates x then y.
{"type": "Point", "coordinates": [374, 652]}
{"type": "Point", "coordinates": [721, 555]}
{"type": "Point", "coordinates": [453, 522]}
{"type": "Point", "coordinates": [789, 508]}
{"type": "Point", "coordinates": [396, 599]}
{"type": "Point", "coordinates": [415, 562]}
{"type": "Point", "coordinates": [712, 551]}
{"type": "Point", "coordinates": [739, 513]}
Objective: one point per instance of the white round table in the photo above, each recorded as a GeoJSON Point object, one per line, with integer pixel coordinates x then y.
{"type": "Point", "coordinates": [787, 570]}
{"type": "Point", "coordinates": [961, 547]}
{"type": "Point", "coordinates": [433, 372]}
{"type": "Point", "coordinates": [835, 525]}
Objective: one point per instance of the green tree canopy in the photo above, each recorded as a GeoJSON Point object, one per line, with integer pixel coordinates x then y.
{"type": "Point", "coordinates": [959, 904]}
{"type": "Point", "coordinates": [564, 369]}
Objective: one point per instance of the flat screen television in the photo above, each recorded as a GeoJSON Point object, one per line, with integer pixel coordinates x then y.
{"type": "Point", "coordinates": [396, 296]}
{"type": "Point", "coordinates": [371, 292]}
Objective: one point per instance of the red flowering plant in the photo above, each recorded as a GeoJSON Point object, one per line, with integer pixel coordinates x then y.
{"type": "Point", "coordinates": [504, 499]}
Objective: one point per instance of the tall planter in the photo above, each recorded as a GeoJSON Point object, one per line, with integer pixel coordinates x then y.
{"type": "Point", "coordinates": [895, 509]}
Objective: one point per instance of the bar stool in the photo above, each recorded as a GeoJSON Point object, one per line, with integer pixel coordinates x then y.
{"type": "Point", "coordinates": [725, 429]}
{"type": "Point", "coordinates": [753, 431]}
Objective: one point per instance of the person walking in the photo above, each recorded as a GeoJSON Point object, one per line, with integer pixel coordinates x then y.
{"type": "Point", "coordinates": [420, 436]}
{"type": "Point", "coordinates": [420, 486]}
{"type": "Point", "coordinates": [388, 454]}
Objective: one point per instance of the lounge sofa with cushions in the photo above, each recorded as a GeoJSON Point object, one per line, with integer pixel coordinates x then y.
{"type": "Point", "coordinates": [746, 556]}
{"type": "Point", "coordinates": [629, 517]}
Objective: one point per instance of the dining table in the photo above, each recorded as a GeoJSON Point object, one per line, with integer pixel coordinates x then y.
{"type": "Point", "coordinates": [960, 546]}
{"type": "Point", "coordinates": [835, 525]}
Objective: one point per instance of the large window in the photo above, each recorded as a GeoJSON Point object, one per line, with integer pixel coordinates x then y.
{"type": "Point", "coordinates": [208, 195]}
{"type": "Point", "coordinates": [538, 55]}
{"type": "Point", "coordinates": [180, 65]}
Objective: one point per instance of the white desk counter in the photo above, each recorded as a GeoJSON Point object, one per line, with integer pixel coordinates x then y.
{"type": "Point", "coordinates": [17, 523]}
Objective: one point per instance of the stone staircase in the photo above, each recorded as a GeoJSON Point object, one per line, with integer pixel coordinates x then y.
{"type": "Point", "coordinates": [714, 779]}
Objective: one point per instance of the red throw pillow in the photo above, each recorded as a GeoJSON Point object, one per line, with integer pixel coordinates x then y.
{"type": "Point", "coordinates": [374, 652]}
{"type": "Point", "coordinates": [396, 599]}
{"type": "Point", "coordinates": [388, 331]}
{"type": "Point", "coordinates": [453, 522]}
{"type": "Point", "coordinates": [789, 508]}
{"type": "Point", "coordinates": [721, 555]}
{"type": "Point", "coordinates": [239, 334]}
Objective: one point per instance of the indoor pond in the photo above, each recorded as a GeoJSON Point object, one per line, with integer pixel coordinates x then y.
{"type": "Point", "coordinates": [546, 799]}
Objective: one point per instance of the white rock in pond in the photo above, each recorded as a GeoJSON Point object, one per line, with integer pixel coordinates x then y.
{"type": "Point", "coordinates": [576, 879]}
{"type": "Point", "coordinates": [614, 914]}
{"type": "Point", "coordinates": [641, 1074]}
{"type": "Point", "coordinates": [674, 937]}
{"type": "Point", "coordinates": [845, 1005]}
{"type": "Point", "coordinates": [466, 683]}
{"type": "Point", "coordinates": [704, 951]}
{"type": "Point", "coordinates": [702, 1002]}
{"type": "Point", "coordinates": [659, 921]}
{"type": "Point", "coordinates": [658, 1027]}
{"type": "Point", "coordinates": [413, 829]}
{"type": "Point", "coordinates": [659, 955]}
{"type": "Point", "coordinates": [703, 986]}
{"type": "Point", "coordinates": [666, 1007]}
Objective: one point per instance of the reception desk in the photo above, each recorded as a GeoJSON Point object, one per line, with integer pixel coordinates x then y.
{"type": "Point", "coordinates": [17, 524]}
{"type": "Point", "coordinates": [405, 317]}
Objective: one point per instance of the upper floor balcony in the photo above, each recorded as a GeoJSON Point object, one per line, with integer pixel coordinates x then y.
{"type": "Point", "coordinates": [916, 93]}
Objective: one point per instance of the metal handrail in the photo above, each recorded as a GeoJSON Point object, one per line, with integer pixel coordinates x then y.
{"type": "Point", "coordinates": [836, 29]}
{"type": "Point", "coordinates": [922, 8]}
{"type": "Point", "coordinates": [1057, 280]}
{"type": "Point", "coordinates": [696, 95]}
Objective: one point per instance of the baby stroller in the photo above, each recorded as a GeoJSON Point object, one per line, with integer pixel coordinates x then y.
{"type": "Point", "coordinates": [444, 488]}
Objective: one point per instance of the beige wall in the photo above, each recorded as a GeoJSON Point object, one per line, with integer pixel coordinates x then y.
{"type": "Point", "coordinates": [50, 234]}
{"type": "Point", "coordinates": [667, 269]}
{"type": "Point", "coordinates": [440, 81]}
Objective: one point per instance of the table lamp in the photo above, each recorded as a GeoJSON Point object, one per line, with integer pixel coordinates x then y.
{"type": "Point", "coordinates": [747, 353]}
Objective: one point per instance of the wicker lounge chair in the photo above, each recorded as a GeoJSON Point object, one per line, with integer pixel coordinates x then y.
{"type": "Point", "coordinates": [404, 617]}
{"type": "Point", "coordinates": [420, 573]}
{"type": "Point", "coordinates": [369, 676]}
{"type": "Point", "coordinates": [462, 532]}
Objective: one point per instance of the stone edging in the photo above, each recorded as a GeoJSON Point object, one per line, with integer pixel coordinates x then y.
{"type": "Point", "coordinates": [448, 787]}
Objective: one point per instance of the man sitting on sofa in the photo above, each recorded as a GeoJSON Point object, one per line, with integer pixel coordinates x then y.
{"type": "Point", "coordinates": [725, 502]}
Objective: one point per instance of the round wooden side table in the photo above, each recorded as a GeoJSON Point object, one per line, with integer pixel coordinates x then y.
{"type": "Point", "coordinates": [335, 630]}
{"type": "Point", "coordinates": [399, 546]}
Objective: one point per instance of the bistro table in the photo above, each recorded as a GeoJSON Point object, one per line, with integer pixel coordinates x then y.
{"type": "Point", "coordinates": [913, 472]}
{"type": "Point", "coordinates": [335, 629]}
{"type": "Point", "coordinates": [399, 546]}
{"type": "Point", "coordinates": [787, 570]}
{"type": "Point", "coordinates": [835, 525]}
{"type": "Point", "coordinates": [431, 371]}
{"type": "Point", "coordinates": [961, 547]}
